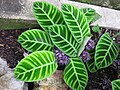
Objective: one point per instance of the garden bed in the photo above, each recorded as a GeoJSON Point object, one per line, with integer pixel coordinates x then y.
{"type": "Point", "coordinates": [12, 52]}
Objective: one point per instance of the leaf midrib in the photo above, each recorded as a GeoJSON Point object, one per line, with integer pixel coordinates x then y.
{"type": "Point", "coordinates": [75, 72]}
{"type": "Point", "coordinates": [106, 53]}
{"type": "Point", "coordinates": [46, 15]}
{"type": "Point", "coordinates": [76, 22]}
{"type": "Point", "coordinates": [66, 41]}
{"type": "Point", "coordinates": [37, 42]}
{"type": "Point", "coordinates": [37, 67]}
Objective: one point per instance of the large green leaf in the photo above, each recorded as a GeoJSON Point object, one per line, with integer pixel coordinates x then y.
{"type": "Point", "coordinates": [91, 63]}
{"type": "Point", "coordinates": [63, 39]}
{"type": "Point", "coordinates": [36, 66]}
{"type": "Point", "coordinates": [76, 22]}
{"type": "Point", "coordinates": [106, 51]}
{"type": "Point", "coordinates": [75, 74]}
{"type": "Point", "coordinates": [35, 40]}
{"type": "Point", "coordinates": [89, 13]}
{"type": "Point", "coordinates": [47, 14]}
{"type": "Point", "coordinates": [116, 84]}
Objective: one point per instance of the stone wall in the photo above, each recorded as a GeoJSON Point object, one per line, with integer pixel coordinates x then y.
{"type": "Point", "coordinates": [18, 14]}
{"type": "Point", "coordinates": [115, 4]}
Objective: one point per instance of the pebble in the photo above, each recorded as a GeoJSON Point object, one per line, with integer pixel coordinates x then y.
{"type": "Point", "coordinates": [9, 82]}
{"type": "Point", "coordinates": [3, 67]}
{"type": "Point", "coordinates": [7, 79]}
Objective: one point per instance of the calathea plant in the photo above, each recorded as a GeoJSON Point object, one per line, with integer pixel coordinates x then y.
{"type": "Point", "coordinates": [69, 31]}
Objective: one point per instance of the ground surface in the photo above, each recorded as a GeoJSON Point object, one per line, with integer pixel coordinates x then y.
{"type": "Point", "coordinates": [11, 51]}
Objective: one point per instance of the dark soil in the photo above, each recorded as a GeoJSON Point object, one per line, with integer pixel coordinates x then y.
{"type": "Point", "coordinates": [101, 80]}
{"type": "Point", "coordinates": [10, 49]}
{"type": "Point", "coordinates": [12, 52]}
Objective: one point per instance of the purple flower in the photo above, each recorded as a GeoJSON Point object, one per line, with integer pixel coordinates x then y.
{"type": "Point", "coordinates": [85, 56]}
{"type": "Point", "coordinates": [90, 44]}
{"type": "Point", "coordinates": [61, 57]}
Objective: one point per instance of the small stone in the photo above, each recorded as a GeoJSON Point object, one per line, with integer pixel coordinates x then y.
{"type": "Point", "coordinates": [25, 54]}
{"type": "Point", "coordinates": [55, 82]}
{"type": "Point", "coordinates": [3, 67]}
{"type": "Point", "coordinates": [9, 82]}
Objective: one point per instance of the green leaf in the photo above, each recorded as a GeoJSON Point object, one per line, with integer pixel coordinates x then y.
{"type": "Point", "coordinates": [63, 39]}
{"type": "Point", "coordinates": [89, 13]}
{"type": "Point", "coordinates": [91, 63]}
{"type": "Point", "coordinates": [75, 74]}
{"type": "Point", "coordinates": [116, 84]}
{"type": "Point", "coordinates": [106, 51]}
{"type": "Point", "coordinates": [35, 40]}
{"type": "Point", "coordinates": [36, 66]}
{"type": "Point", "coordinates": [96, 17]}
{"type": "Point", "coordinates": [47, 14]}
{"type": "Point", "coordinates": [96, 28]}
{"type": "Point", "coordinates": [76, 22]}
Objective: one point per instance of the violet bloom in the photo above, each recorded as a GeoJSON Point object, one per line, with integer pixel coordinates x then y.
{"type": "Point", "coordinates": [85, 56]}
{"type": "Point", "coordinates": [61, 57]}
{"type": "Point", "coordinates": [90, 44]}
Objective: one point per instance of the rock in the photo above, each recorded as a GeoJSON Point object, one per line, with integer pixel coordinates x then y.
{"type": "Point", "coordinates": [25, 87]}
{"type": "Point", "coordinates": [55, 82]}
{"type": "Point", "coordinates": [107, 3]}
{"type": "Point", "coordinates": [3, 67]}
{"type": "Point", "coordinates": [9, 82]}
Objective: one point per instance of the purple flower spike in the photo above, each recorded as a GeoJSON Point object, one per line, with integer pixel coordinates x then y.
{"type": "Point", "coordinates": [85, 56]}
{"type": "Point", "coordinates": [61, 57]}
{"type": "Point", "coordinates": [90, 44]}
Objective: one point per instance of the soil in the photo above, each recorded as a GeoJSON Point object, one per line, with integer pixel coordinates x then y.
{"type": "Point", "coordinates": [12, 52]}
{"type": "Point", "coordinates": [10, 49]}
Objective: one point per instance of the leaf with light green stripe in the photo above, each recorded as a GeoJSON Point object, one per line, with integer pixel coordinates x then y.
{"type": "Point", "coordinates": [75, 74]}
{"type": "Point", "coordinates": [91, 63]}
{"type": "Point", "coordinates": [47, 14]}
{"type": "Point", "coordinates": [116, 84]}
{"type": "Point", "coordinates": [63, 39]}
{"type": "Point", "coordinates": [36, 66]}
{"type": "Point", "coordinates": [106, 51]}
{"type": "Point", "coordinates": [89, 13]}
{"type": "Point", "coordinates": [35, 40]}
{"type": "Point", "coordinates": [76, 22]}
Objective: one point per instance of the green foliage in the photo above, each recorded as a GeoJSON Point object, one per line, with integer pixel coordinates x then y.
{"type": "Point", "coordinates": [76, 22]}
{"type": "Point", "coordinates": [96, 17]}
{"type": "Point", "coordinates": [36, 66]}
{"type": "Point", "coordinates": [91, 63]}
{"type": "Point", "coordinates": [116, 84]}
{"type": "Point", "coordinates": [96, 28]}
{"type": "Point", "coordinates": [75, 74]}
{"type": "Point", "coordinates": [63, 39]}
{"type": "Point", "coordinates": [69, 31]}
{"type": "Point", "coordinates": [47, 14]}
{"type": "Point", "coordinates": [89, 13]}
{"type": "Point", "coordinates": [106, 51]}
{"type": "Point", "coordinates": [35, 40]}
